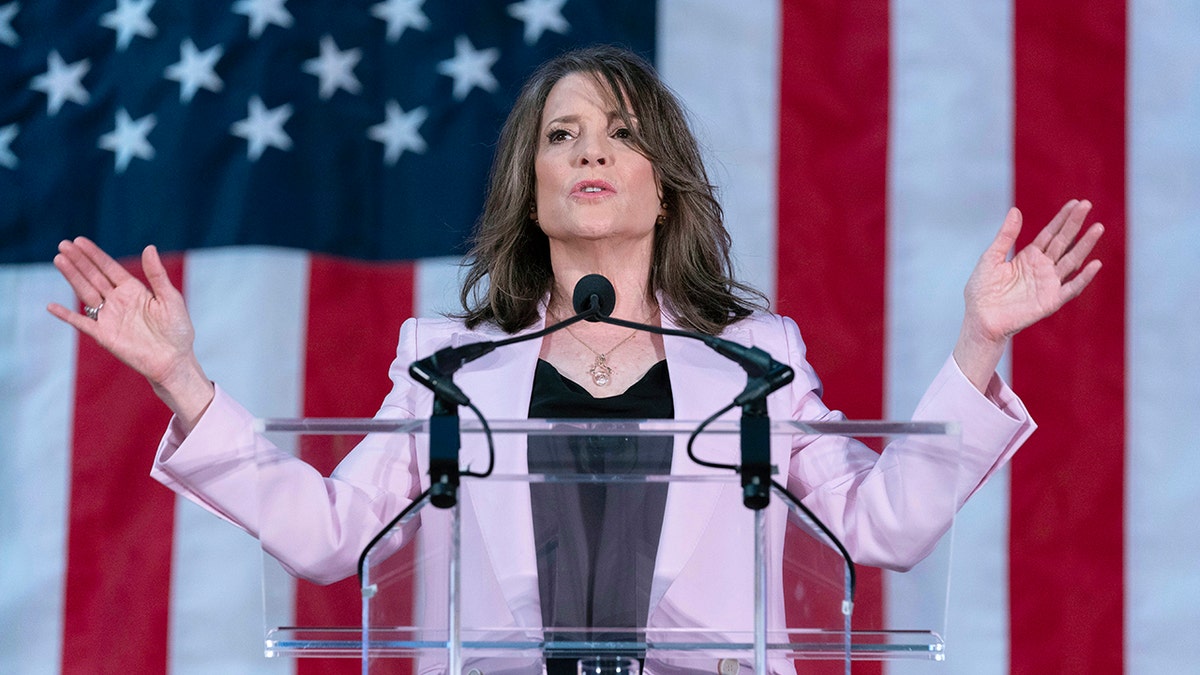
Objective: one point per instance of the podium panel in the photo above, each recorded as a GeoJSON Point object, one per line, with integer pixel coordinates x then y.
{"type": "Point", "coordinates": [595, 537]}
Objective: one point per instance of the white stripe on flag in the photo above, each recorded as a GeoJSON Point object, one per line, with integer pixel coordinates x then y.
{"type": "Point", "coordinates": [1163, 455]}
{"type": "Point", "coordinates": [723, 62]}
{"type": "Point", "coordinates": [949, 185]}
{"type": "Point", "coordinates": [436, 283]}
{"type": "Point", "coordinates": [37, 393]}
{"type": "Point", "coordinates": [250, 307]}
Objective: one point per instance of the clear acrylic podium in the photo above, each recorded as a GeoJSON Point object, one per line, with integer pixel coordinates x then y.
{"type": "Point", "coordinates": [696, 581]}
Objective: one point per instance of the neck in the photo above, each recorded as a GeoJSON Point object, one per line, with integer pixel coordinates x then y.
{"type": "Point", "coordinates": [628, 270]}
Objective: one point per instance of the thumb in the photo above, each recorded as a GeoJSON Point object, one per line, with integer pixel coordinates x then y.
{"type": "Point", "coordinates": [1006, 238]}
{"type": "Point", "coordinates": [156, 273]}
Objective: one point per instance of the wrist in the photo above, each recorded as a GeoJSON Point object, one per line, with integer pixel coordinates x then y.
{"type": "Point", "coordinates": [978, 354]}
{"type": "Point", "coordinates": [187, 391]}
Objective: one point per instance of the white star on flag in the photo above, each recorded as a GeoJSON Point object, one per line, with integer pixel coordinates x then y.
{"type": "Point", "coordinates": [400, 15]}
{"type": "Point", "coordinates": [128, 139]}
{"type": "Point", "coordinates": [540, 16]}
{"type": "Point", "coordinates": [9, 36]}
{"type": "Point", "coordinates": [334, 68]}
{"type": "Point", "coordinates": [263, 12]}
{"type": "Point", "coordinates": [62, 82]}
{"type": "Point", "coordinates": [399, 132]}
{"type": "Point", "coordinates": [194, 70]}
{"type": "Point", "coordinates": [7, 135]}
{"type": "Point", "coordinates": [130, 18]}
{"type": "Point", "coordinates": [263, 128]}
{"type": "Point", "coordinates": [470, 68]}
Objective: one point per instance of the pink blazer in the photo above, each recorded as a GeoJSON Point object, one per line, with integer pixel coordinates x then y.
{"type": "Point", "coordinates": [889, 509]}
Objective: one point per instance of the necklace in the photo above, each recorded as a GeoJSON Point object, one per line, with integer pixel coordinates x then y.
{"type": "Point", "coordinates": [600, 371]}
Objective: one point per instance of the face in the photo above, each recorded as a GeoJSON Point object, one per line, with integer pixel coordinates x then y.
{"type": "Point", "coordinates": [592, 183]}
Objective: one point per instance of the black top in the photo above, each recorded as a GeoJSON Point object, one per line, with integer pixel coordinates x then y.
{"type": "Point", "coordinates": [579, 576]}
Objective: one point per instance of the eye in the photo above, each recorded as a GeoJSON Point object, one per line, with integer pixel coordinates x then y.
{"type": "Point", "coordinates": [623, 133]}
{"type": "Point", "coordinates": [558, 135]}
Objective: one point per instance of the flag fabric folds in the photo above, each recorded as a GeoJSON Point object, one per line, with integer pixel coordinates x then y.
{"type": "Point", "coordinates": [313, 170]}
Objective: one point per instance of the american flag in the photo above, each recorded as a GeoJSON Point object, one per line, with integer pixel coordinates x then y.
{"type": "Point", "coordinates": [315, 166]}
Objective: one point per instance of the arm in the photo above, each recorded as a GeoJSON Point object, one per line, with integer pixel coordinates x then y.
{"type": "Point", "coordinates": [316, 526]}
{"type": "Point", "coordinates": [890, 509]}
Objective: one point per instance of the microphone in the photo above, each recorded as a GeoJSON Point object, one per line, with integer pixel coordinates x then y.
{"type": "Point", "coordinates": [436, 372]}
{"type": "Point", "coordinates": [594, 295]}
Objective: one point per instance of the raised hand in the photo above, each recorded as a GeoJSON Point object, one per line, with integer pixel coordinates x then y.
{"type": "Point", "coordinates": [148, 329]}
{"type": "Point", "coordinates": [1004, 296]}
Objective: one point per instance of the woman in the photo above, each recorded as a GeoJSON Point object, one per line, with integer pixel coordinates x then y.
{"type": "Point", "coordinates": [596, 172]}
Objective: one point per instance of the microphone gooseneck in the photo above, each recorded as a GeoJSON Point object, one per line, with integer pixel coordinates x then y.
{"type": "Point", "coordinates": [594, 300]}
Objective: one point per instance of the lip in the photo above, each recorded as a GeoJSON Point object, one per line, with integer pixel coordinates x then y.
{"type": "Point", "coordinates": [605, 189]}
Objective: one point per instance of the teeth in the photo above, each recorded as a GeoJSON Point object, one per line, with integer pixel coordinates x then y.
{"type": "Point", "coordinates": [592, 189]}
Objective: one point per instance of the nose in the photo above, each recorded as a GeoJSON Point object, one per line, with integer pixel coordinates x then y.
{"type": "Point", "coordinates": [594, 149]}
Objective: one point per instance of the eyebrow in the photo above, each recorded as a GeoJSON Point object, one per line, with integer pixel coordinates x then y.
{"type": "Point", "coordinates": [573, 118]}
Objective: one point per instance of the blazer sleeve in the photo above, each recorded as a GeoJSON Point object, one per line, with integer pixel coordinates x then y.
{"type": "Point", "coordinates": [890, 509]}
{"type": "Point", "coordinates": [316, 526]}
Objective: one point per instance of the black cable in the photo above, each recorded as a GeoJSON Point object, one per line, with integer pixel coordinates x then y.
{"type": "Point", "coordinates": [853, 581]}
{"type": "Point", "coordinates": [692, 439]}
{"type": "Point", "coordinates": [362, 558]}
{"type": "Point", "coordinates": [487, 432]}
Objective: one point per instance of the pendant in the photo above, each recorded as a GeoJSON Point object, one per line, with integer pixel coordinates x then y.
{"type": "Point", "coordinates": [600, 372]}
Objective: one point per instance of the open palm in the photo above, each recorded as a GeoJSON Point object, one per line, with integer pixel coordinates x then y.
{"type": "Point", "coordinates": [147, 328]}
{"type": "Point", "coordinates": [1005, 295]}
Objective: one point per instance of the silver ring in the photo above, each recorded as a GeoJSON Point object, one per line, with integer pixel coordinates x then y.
{"type": "Point", "coordinates": [93, 313]}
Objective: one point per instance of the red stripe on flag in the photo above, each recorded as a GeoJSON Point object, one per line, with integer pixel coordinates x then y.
{"type": "Point", "coordinates": [832, 208]}
{"type": "Point", "coordinates": [1067, 606]}
{"type": "Point", "coordinates": [121, 522]}
{"type": "Point", "coordinates": [354, 315]}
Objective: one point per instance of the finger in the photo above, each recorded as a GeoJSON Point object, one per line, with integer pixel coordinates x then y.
{"type": "Point", "coordinates": [84, 289]}
{"type": "Point", "coordinates": [1079, 252]}
{"type": "Point", "coordinates": [1006, 238]}
{"type": "Point", "coordinates": [156, 273]}
{"type": "Point", "coordinates": [1043, 238]}
{"type": "Point", "coordinates": [78, 321]}
{"type": "Point", "coordinates": [86, 267]}
{"type": "Point", "coordinates": [1075, 286]}
{"type": "Point", "coordinates": [1066, 235]}
{"type": "Point", "coordinates": [111, 269]}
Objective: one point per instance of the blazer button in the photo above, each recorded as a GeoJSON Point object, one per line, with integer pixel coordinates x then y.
{"type": "Point", "coordinates": [728, 667]}
{"type": "Point", "coordinates": [474, 671]}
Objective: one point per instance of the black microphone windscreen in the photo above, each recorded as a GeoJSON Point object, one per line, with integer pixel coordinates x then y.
{"type": "Point", "coordinates": [599, 287]}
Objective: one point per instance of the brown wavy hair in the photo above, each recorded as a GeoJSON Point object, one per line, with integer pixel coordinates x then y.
{"type": "Point", "coordinates": [508, 268]}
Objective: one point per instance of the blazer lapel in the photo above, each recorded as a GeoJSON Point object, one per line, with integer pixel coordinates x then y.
{"type": "Point", "coordinates": [500, 384]}
{"type": "Point", "coordinates": [702, 382]}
